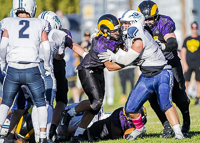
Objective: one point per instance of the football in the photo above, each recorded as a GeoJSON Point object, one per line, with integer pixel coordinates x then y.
{"type": "Point", "coordinates": [127, 132]}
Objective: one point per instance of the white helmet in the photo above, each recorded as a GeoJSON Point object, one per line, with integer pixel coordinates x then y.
{"type": "Point", "coordinates": [52, 18]}
{"type": "Point", "coordinates": [133, 16]}
{"type": "Point", "coordinates": [12, 14]}
{"type": "Point", "coordinates": [27, 6]}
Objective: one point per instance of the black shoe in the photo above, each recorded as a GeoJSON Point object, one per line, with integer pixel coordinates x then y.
{"type": "Point", "coordinates": [168, 131]}
{"type": "Point", "coordinates": [43, 140]}
{"type": "Point", "coordinates": [196, 102]}
{"type": "Point", "coordinates": [77, 139]}
{"type": "Point", "coordinates": [186, 129]}
{"type": "Point", "coordinates": [65, 119]}
{"type": "Point", "coordinates": [52, 131]}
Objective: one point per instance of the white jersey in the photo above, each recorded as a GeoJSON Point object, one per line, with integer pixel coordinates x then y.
{"type": "Point", "coordinates": [151, 54]}
{"type": "Point", "coordinates": [151, 59]}
{"type": "Point", "coordinates": [57, 41]}
{"type": "Point", "coordinates": [24, 38]}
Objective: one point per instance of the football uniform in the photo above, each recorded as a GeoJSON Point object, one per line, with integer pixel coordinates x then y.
{"type": "Point", "coordinates": [90, 71]}
{"type": "Point", "coordinates": [164, 26]}
{"type": "Point", "coordinates": [57, 42]}
{"type": "Point", "coordinates": [23, 58]}
{"type": "Point", "coordinates": [156, 75]}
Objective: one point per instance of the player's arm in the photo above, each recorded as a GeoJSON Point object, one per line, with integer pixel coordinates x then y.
{"type": "Point", "coordinates": [127, 58]}
{"type": "Point", "coordinates": [47, 52]}
{"type": "Point", "coordinates": [3, 49]}
{"type": "Point", "coordinates": [112, 66]}
{"type": "Point", "coordinates": [75, 47]}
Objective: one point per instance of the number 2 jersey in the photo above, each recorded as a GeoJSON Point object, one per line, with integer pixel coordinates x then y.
{"type": "Point", "coordinates": [24, 38]}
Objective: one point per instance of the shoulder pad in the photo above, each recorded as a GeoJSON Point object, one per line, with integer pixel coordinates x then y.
{"type": "Point", "coordinates": [135, 30]}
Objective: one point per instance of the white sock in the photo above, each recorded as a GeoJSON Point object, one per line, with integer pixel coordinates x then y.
{"type": "Point", "coordinates": [42, 114]}
{"type": "Point", "coordinates": [4, 111]}
{"type": "Point", "coordinates": [35, 122]}
{"type": "Point", "coordinates": [43, 135]}
{"type": "Point", "coordinates": [49, 118]}
{"type": "Point", "coordinates": [79, 131]}
{"type": "Point", "coordinates": [72, 112]}
{"type": "Point", "coordinates": [177, 128]}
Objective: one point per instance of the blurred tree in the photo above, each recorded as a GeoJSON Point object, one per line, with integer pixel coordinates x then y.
{"type": "Point", "coordinates": [67, 6]}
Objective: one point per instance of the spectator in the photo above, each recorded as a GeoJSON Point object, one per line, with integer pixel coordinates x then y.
{"type": "Point", "coordinates": [190, 58]}
{"type": "Point", "coordinates": [63, 19]}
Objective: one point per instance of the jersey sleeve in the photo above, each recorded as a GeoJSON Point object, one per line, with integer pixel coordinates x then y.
{"type": "Point", "coordinates": [168, 26]}
{"type": "Point", "coordinates": [184, 43]}
{"type": "Point", "coordinates": [4, 24]}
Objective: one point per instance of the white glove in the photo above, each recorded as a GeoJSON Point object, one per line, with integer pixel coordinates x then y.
{"type": "Point", "coordinates": [84, 54]}
{"type": "Point", "coordinates": [107, 56]}
{"type": "Point", "coordinates": [48, 69]}
{"type": "Point", "coordinates": [3, 65]}
{"type": "Point", "coordinates": [161, 45]}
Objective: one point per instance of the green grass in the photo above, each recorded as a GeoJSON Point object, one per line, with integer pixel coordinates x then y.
{"type": "Point", "coordinates": [154, 127]}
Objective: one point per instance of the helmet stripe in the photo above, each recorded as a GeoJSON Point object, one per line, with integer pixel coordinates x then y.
{"type": "Point", "coordinates": [124, 14]}
{"type": "Point", "coordinates": [153, 10]}
{"type": "Point", "coordinates": [19, 126]}
{"type": "Point", "coordinates": [29, 133]}
{"type": "Point", "coordinates": [138, 9]}
{"type": "Point", "coordinates": [20, 3]}
{"type": "Point", "coordinates": [107, 23]}
{"type": "Point", "coordinates": [43, 14]}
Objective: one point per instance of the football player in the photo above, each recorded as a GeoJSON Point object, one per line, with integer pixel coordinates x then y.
{"type": "Point", "coordinates": [59, 39]}
{"type": "Point", "coordinates": [24, 34]}
{"type": "Point", "coordinates": [162, 29]}
{"type": "Point", "coordinates": [91, 74]}
{"type": "Point", "coordinates": [156, 75]}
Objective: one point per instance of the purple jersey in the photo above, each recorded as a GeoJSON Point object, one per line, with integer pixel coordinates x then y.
{"type": "Point", "coordinates": [100, 44]}
{"type": "Point", "coordinates": [119, 119]}
{"type": "Point", "coordinates": [164, 26]}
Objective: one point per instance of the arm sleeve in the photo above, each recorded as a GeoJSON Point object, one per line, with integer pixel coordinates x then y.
{"type": "Point", "coordinates": [184, 43]}
{"type": "Point", "coordinates": [169, 27]}
{"type": "Point", "coordinates": [128, 58]}
{"type": "Point", "coordinates": [46, 47]}
{"type": "Point", "coordinates": [3, 48]}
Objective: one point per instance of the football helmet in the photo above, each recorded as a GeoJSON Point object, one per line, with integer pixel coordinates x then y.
{"type": "Point", "coordinates": [52, 18]}
{"type": "Point", "coordinates": [109, 23]}
{"type": "Point", "coordinates": [25, 127]}
{"type": "Point", "coordinates": [132, 16]}
{"type": "Point", "coordinates": [24, 6]}
{"type": "Point", "coordinates": [150, 11]}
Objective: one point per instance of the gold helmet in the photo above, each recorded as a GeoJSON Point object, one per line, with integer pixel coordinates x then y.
{"type": "Point", "coordinates": [108, 23]}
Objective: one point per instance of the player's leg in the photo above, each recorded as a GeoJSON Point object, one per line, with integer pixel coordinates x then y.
{"type": "Point", "coordinates": [164, 91]}
{"type": "Point", "coordinates": [61, 94]}
{"type": "Point", "coordinates": [36, 85]}
{"type": "Point", "coordinates": [10, 88]}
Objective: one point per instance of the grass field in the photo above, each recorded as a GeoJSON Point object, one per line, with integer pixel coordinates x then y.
{"type": "Point", "coordinates": [154, 127]}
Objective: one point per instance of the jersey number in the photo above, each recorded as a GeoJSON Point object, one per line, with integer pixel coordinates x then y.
{"type": "Point", "coordinates": [21, 31]}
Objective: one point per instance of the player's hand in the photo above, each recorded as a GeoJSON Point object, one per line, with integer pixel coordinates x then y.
{"type": "Point", "coordinates": [106, 56]}
{"type": "Point", "coordinates": [48, 69]}
{"type": "Point", "coordinates": [3, 65]}
{"type": "Point", "coordinates": [161, 45]}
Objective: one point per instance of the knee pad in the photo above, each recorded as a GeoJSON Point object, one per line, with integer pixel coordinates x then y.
{"type": "Point", "coordinates": [96, 106]}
